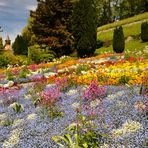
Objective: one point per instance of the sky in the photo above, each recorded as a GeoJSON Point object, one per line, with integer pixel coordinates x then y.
{"type": "Point", "coordinates": [14, 15]}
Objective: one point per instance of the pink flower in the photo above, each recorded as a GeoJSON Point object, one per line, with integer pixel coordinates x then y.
{"type": "Point", "coordinates": [94, 91]}
{"type": "Point", "coordinates": [50, 96]}
{"type": "Point", "coordinates": [62, 83]}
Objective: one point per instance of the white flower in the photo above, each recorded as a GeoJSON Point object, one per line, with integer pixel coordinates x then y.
{"type": "Point", "coordinates": [5, 85]}
{"type": "Point", "coordinates": [132, 126]}
{"type": "Point", "coordinates": [75, 105]}
{"type": "Point", "coordinates": [9, 84]}
{"type": "Point", "coordinates": [72, 91]}
{"type": "Point", "coordinates": [13, 139]}
{"type": "Point", "coordinates": [95, 103]}
{"type": "Point", "coordinates": [117, 132]}
{"type": "Point", "coordinates": [31, 116]}
{"type": "Point", "coordinates": [104, 146]}
{"type": "Point", "coordinates": [83, 72]}
{"type": "Point", "coordinates": [50, 74]}
{"type": "Point", "coordinates": [18, 122]}
{"type": "Point", "coordinates": [61, 70]}
{"type": "Point", "coordinates": [128, 127]}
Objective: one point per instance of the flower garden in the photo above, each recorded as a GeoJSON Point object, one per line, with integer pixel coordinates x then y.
{"type": "Point", "coordinates": [98, 102]}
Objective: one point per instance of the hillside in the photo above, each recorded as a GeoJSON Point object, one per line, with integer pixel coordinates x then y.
{"type": "Point", "coordinates": [131, 28]}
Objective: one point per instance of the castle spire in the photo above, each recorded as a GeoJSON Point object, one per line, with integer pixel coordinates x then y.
{"type": "Point", "coordinates": [8, 38]}
{"type": "Point", "coordinates": [8, 43]}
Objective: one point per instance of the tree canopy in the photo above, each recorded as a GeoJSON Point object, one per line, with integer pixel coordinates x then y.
{"type": "Point", "coordinates": [85, 27]}
{"type": "Point", "coordinates": [20, 46]}
{"type": "Point", "coordinates": [52, 25]}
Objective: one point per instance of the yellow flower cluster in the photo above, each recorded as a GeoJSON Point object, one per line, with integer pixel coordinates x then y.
{"type": "Point", "coordinates": [132, 73]}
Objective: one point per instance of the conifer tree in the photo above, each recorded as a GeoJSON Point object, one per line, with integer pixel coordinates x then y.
{"type": "Point", "coordinates": [84, 27]}
{"type": "Point", "coordinates": [51, 25]}
{"type": "Point", "coordinates": [144, 31]}
{"type": "Point", "coordinates": [1, 40]}
{"type": "Point", "coordinates": [1, 43]}
{"type": "Point", "coordinates": [20, 46]}
{"type": "Point", "coordinates": [118, 40]}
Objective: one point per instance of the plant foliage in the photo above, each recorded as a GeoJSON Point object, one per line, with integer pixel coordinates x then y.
{"type": "Point", "coordinates": [118, 40]}
{"type": "Point", "coordinates": [84, 27]}
{"type": "Point", "coordinates": [144, 31]}
{"type": "Point", "coordinates": [51, 25]}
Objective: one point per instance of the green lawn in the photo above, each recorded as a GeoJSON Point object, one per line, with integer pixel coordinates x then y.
{"type": "Point", "coordinates": [125, 21]}
{"type": "Point", "coordinates": [131, 30]}
{"type": "Point", "coordinates": [135, 45]}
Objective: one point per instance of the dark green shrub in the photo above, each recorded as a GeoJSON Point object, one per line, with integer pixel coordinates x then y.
{"type": "Point", "coordinates": [15, 59]}
{"type": "Point", "coordinates": [38, 55]}
{"type": "Point", "coordinates": [118, 40]}
{"type": "Point", "coordinates": [34, 53]}
{"type": "Point", "coordinates": [4, 61]}
{"type": "Point", "coordinates": [144, 31]}
{"type": "Point", "coordinates": [46, 57]}
{"type": "Point", "coordinates": [99, 44]}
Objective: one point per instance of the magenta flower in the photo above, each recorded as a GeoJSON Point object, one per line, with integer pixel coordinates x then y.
{"type": "Point", "coordinates": [62, 83]}
{"type": "Point", "coordinates": [94, 91]}
{"type": "Point", "coordinates": [50, 96]}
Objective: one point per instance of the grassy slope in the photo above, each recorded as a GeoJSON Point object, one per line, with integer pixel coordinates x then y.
{"type": "Point", "coordinates": [130, 46]}
{"type": "Point", "coordinates": [125, 21]}
{"type": "Point", "coordinates": [132, 29]}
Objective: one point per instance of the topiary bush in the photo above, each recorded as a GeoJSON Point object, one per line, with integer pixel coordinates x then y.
{"type": "Point", "coordinates": [144, 31]}
{"type": "Point", "coordinates": [118, 40]}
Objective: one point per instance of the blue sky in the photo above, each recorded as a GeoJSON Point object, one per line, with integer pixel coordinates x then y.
{"type": "Point", "coordinates": [14, 15]}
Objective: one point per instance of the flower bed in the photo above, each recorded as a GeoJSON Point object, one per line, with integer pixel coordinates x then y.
{"type": "Point", "coordinates": [79, 103]}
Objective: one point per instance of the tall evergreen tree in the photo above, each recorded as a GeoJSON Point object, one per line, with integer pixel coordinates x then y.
{"type": "Point", "coordinates": [1, 40]}
{"type": "Point", "coordinates": [1, 43]}
{"type": "Point", "coordinates": [20, 46]}
{"type": "Point", "coordinates": [85, 27]}
{"type": "Point", "coordinates": [51, 25]}
{"type": "Point", "coordinates": [1, 29]}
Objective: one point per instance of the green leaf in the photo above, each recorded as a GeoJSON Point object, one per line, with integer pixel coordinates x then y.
{"type": "Point", "coordinates": [85, 145]}
{"type": "Point", "coordinates": [57, 139]}
{"type": "Point", "coordinates": [68, 137]}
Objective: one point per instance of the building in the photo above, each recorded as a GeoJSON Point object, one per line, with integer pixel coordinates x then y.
{"type": "Point", "coordinates": [7, 45]}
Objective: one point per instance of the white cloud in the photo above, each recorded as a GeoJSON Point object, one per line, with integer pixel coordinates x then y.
{"type": "Point", "coordinates": [3, 3]}
{"type": "Point", "coordinates": [14, 15]}
{"type": "Point", "coordinates": [31, 7]}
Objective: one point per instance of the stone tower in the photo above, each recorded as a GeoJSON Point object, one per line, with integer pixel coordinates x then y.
{"type": "Point", "coordinates": [7, 43]}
